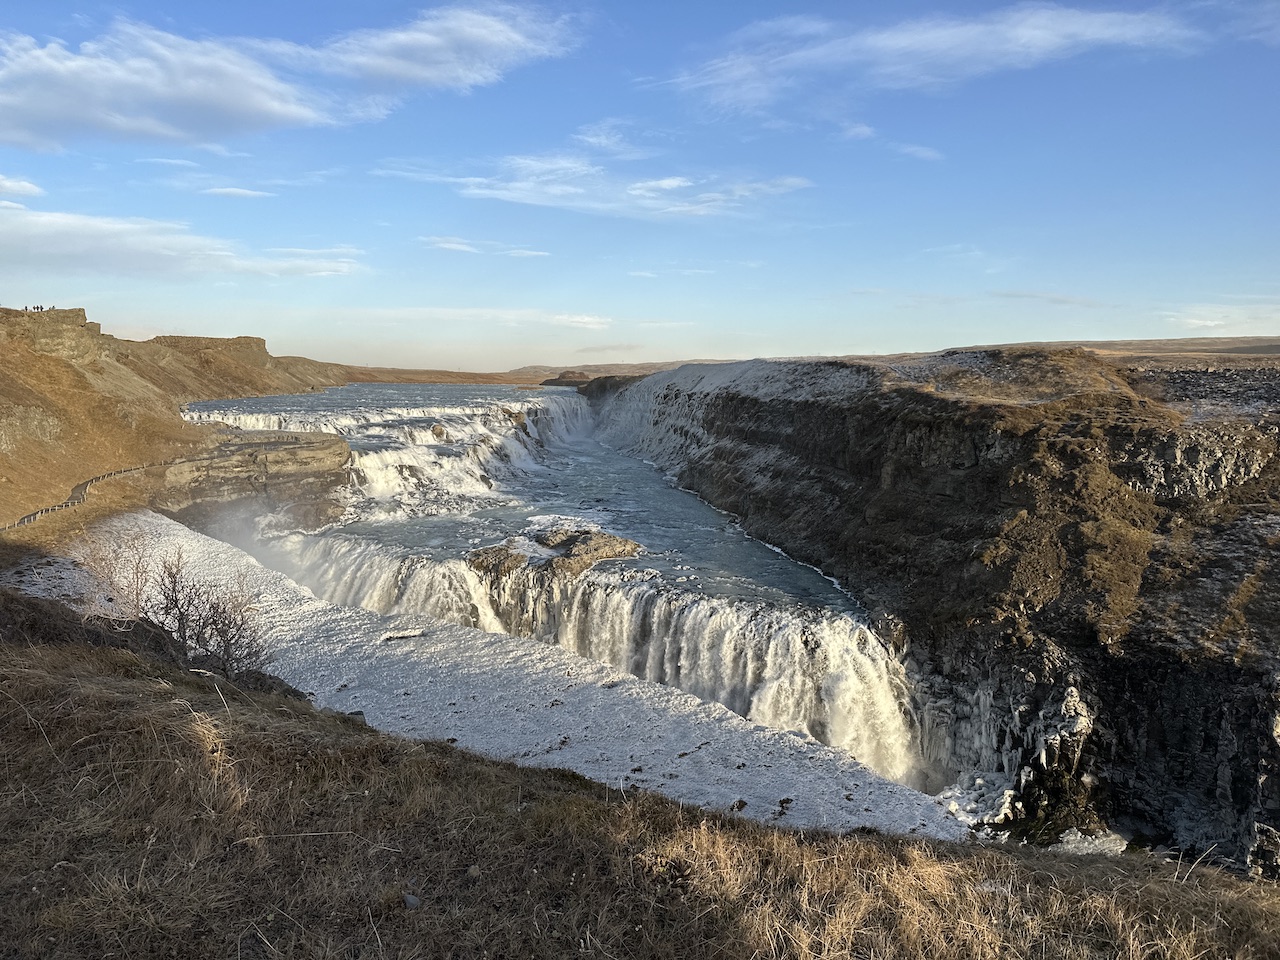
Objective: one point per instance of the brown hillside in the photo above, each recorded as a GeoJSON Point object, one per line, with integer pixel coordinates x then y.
{"type": "Point", "coordinates": [76, 403]}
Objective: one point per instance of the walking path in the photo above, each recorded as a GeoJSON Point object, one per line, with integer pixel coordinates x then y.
{"type": "Point", "coordinates": [79, 493]}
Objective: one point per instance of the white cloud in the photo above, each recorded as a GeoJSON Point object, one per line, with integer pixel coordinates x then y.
{"type": "Point", "coordinates": [1258, 21]}
{"type": "Point", "coordinates": [310, 178]}
{"type": "Point", "coordinates": [491, 247]}
{"type": "Point", "coordinates": [578, 183]}
{"type": "Point", "coordinates": [450, 48]}
{"type": "Point", "coordinates": [136, 82]}
{"type": "Point", "coordinates": [1260, 317]}
{"type": "Point", "coordinates": [581, 321]}
{"type": "Point", "coordinates": [733, 195]}
{"type": "Point", "coordinates": [919, 152]}
{"type": "Point", "coordinates": [857, 131]}
{"type": "Point", "coordinates": [451, 243]}
{"type": "Point", "coordinates": [653, 188]}
{"type": "Point", "coordinates": [771, 60]}
{"type": "Point", "coordinates": [235, 192]}
{"type": "Point", "coordinates": [1057, 299]}
{"type": "Point", "coordinates": [19, 188]}
{"type": "Point", "coordinates": [71, 242]}
{"type": "Point", "coordinates": [972, 256]}
{"type": "Point", "coordinates": [609, 136]}
{"type": "Point", "coordinates": [167, 161]}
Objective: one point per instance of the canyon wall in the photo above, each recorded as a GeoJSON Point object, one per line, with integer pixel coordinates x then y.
{"type": "Point", "coordinates": [1074, 561]}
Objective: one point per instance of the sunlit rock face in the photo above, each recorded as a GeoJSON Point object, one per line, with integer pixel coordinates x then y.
{"type": "Point", "coordinates": [298, 479]}
{"type": "Point", "coordinates": [1075, 564]}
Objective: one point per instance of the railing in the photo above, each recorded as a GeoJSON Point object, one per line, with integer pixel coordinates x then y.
{"type": "Point", "coordinates": [80, 492]}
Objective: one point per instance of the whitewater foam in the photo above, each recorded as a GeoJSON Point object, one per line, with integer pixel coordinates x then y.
{"type": "Point", "coordinates": [704, 609]}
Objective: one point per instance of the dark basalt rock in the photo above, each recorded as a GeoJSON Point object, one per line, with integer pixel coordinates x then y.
{"type": "Point", "coordinates": [1082, 578]}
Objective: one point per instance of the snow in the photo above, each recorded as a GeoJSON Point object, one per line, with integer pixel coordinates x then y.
{"type": "Point", "coordinates": [1103, 843]}
{"type": "Point", "coordinates": [981, 798]}
{"type": "Point", "coordinates": [533, 703]}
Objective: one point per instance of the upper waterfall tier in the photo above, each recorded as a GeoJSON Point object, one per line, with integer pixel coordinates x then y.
{"type": "Point", "coordinates": [693, 603]}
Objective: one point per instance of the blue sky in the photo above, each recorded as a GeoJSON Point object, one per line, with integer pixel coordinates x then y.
{"type": "Point", "coordinates": [480, 186]}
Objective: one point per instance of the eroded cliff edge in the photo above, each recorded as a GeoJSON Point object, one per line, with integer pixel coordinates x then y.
{"type": "Point", "coordinates": [1075, 558]}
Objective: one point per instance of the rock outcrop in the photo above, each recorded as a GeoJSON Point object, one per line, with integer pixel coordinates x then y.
{"type": "Point", "coordinates": [293, 478]}
{"type": "Point", "coordinates": [567, 378]}
{"type": "Point", "coordinates": [76, 403]}
{"type": "Point", "coordinates": [526, 577]}
{"type": "Point", "coordinates": [567, 554]}
{"type": "Point", "coordinates": [1077, 569]}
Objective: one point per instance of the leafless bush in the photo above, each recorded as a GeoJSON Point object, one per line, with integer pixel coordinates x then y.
{"type": "Point", "coordinates": [216, 623]}
{"type": "Point", "coordinates": [119, 568]}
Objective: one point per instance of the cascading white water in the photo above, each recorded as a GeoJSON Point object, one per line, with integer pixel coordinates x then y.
{"type": "Point", "coordinates": [818, 672]}
{"type": "Point", "coordinates": [700, 610]}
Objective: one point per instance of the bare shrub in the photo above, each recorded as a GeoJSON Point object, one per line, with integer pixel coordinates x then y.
{"type": "Point", "coordinates": [216, 623]}
{"type": "Point", "coordinates": [119, 569]}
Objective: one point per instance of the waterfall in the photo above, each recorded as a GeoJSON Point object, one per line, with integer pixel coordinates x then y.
{"type": "Point", "coordinates": [425, 473]}
{"type": "Point", "coordinates": [817, 672]}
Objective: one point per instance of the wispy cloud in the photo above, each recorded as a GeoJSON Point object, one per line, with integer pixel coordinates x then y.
{"type": "Point", "coordinates": [72, 242]}
{"type": "Point", "coordinates": [773, 60]}
{"type": "Point", "coordinates": [1254, 317]}
{"type": "Point", "coordinates": [167, 162]}
{"type": "Point", "coordinates": [657, 188]}
{"type": "Point", "coordinates": [455, 48]}
{"type": "Point", "coordinates": [139, 83]}
{"type": "Point", "coordinates": [857, 131]}
{"type": "Point", "coordinates": [612, 348]}
{"type": "Point", "coordinates": [973, 256]}
{"type": "Point", "coordinates": [310, 178]}
{"type": "Point", "coordinates": [610, 137]}
{"type": "Point", "coordinates": [578, 182]}
{"type": "Point", "coordinates": [491, 247]}
{"type": "Point", "coordinates": [1057, 299]}
{"type": "Point", "coordinates": [918, 152]}
{"type": "Point", "coordinates": [136, 82]}
{"type": "Point", "coordinates": [1257, 20]}
{"type": "Point", "coordinates": [580, 321]}
{"type": "Point", "coordinates": [235, 192]}
{"type": "Point", "coordinates": [12, 187]}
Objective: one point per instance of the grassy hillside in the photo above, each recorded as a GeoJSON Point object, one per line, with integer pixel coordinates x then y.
{"type": "Point", "coordinates": [149, 811]}
{"type": "Point", "coordinates": [152, 812]}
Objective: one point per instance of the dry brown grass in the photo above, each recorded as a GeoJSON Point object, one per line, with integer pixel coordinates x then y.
{"type": "Point", "coordinates": [147, 812]}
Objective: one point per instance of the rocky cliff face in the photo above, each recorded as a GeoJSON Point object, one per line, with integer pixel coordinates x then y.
{"type": "Point", "coordinates": [76, 403]}
{"type": "Point", "coordinates": [295, 479]}
{"type": "Point", "coordinates": [1078, 573]}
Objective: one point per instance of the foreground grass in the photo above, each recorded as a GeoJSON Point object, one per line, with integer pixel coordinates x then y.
{"type": "Point", "coordinates": [148, 812]}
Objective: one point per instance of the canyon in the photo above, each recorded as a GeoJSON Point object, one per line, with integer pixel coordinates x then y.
{"type": "Point", "coordinates": [1070, 549]}
{"type": "Point", "coordinates": [1073, 553]}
